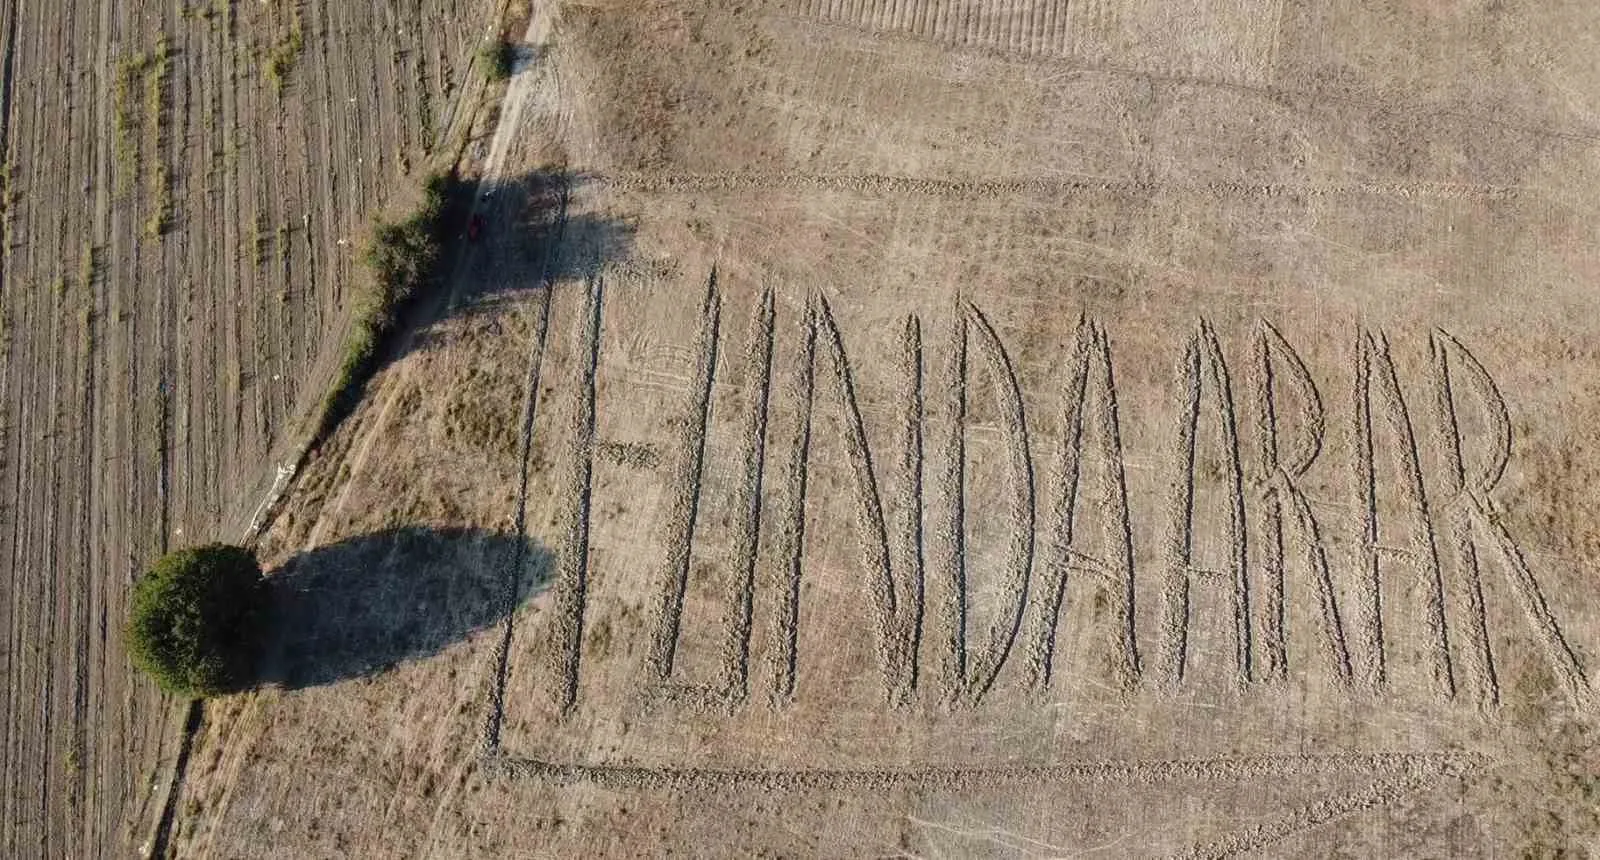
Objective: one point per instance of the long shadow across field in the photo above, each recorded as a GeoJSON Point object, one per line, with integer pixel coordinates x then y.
{"type": "Point", "coordinates": [355, 608]}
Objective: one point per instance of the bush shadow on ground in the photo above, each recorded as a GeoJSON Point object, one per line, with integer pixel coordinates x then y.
{"type": "Point", "coordinates": [531, 234]}
{"type": "Point", "coordinates": [477, 240]}
{"type": "Point", "coordinates": [358, 607]}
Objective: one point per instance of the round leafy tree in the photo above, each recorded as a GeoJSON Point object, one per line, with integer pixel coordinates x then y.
{"type": "Point", "coordinates": [192, 627]}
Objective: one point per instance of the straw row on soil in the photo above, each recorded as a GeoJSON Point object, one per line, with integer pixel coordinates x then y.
{"type": "Point", "coordinates": [878, 185]}
{"type": "Point", "coordinates": [753, 453]}
{"type": "Point", "coordinates": [572, 583]}
{"type": "Point", "coordinates": [1136, 772]}
{"type": "Point", "coordinates": [948, 531]}
{"type": "Point", "coordinates": [783, 650]}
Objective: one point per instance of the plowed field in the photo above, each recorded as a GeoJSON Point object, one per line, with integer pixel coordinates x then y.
{"type": "Point", "coordinates": [185, 187]}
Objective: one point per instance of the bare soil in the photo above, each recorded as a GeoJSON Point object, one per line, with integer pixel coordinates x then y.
{"type": "Point", "coordinates": [934, 429]}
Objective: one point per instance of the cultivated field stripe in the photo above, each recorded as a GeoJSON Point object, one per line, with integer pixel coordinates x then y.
{"type": "Point", "coordinates": [925, 18]}
{"type": "Point", "coordinates": [1021, 26]}
{"type": "Point", "coordinates": [10, 815]}
{"type": "Point", "coordinates": [1027, 28]}
{"type": "Point", "coordinates": [148, 407]}
{"type": "Point", "coordinates": [934, 15]}
{"type": "Point", "coordinates": [1061, 35]}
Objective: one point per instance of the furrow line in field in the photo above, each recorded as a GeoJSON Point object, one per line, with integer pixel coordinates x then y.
{"type": "Point", "coordinates": [949, 520]}
{"type": "Point", "coordinates": [784, 640]}
{"type": "Point", "coordinates": [572, 584]}
{"type": "Point", "coordinates": [906, 539]}
{"type": "Point", "coordinates": [494, 718]}
{"type": "Point", "coordinates": [615, 777]}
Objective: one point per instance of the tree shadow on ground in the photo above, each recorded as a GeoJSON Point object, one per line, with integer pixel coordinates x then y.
{"type": "Point", "coordinates": [358, 607]}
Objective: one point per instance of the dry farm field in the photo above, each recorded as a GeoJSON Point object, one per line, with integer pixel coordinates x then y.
{"type": "Point", "coordinates": [184, 188]}
{"type": "Point", "coordinates": [864, 428]}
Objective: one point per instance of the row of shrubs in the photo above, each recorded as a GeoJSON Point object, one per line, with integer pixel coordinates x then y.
{"type": "Point", "coordinates": [402, 258]}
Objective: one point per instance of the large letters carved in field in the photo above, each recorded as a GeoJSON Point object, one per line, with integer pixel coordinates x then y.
{"type": "Point", "coordinates": [1246, 460]}
{"type": "Point", "coordinates": [1377, 388]}
{"type": "Point", "coordinates": [1088, 432]}
{"type": "Point", "coordinates": [1279, 465]}
{"type": "Point", "coordinates": [969, 676]}
{"type": "Point", "coordinates": [1471, 515]}
{"type": "Point", "coordinates": [1206, 388]}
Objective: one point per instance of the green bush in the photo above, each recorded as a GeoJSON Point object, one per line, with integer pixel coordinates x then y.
{"type": "Point", "coordinates": [495, 59]}
{"type": "Point", "coordinates": [402, 258]}
{"type": "Point", "coordinates": [194, 619]}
